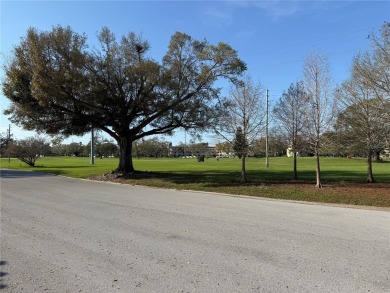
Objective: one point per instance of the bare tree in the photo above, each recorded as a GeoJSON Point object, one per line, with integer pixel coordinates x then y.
{"type": "Point", "coordinates": [365, 97]}
{"type": "Point", "coordinates": [321, 108]}
{"type": "Point", "coordinates": [363, 120]}
{"type": "Point", "coordinates": [374, 67]}
{"type": "Point", "coordinates": [243, 119]}
{"type": "Point", "coordinates": [290, 113]}
{"type": "Point", "coordinates": [29, 150]}
{"type": "Point", "coordinates": [5, 140]}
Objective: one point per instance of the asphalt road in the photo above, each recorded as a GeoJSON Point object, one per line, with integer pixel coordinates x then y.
{"type": "Point", "coordinates": [67, 235]}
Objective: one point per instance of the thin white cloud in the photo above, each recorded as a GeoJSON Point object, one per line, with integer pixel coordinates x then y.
{"type": "Point", "coordinates": [221, 13]}
{"type": "Point", "coordinates": [277, 9]}
{"type": "Point", "coordinates": [217, 17]}
{"type": "Point", "coordinates": [246, 34]}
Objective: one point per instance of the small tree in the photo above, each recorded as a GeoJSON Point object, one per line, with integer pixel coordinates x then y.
{"type": "Point", "coordinates": [5, 140]}
{"type": "Point", "coordinates": [57, 147]}
{"type": "Point", "coordinates": [103, 147]}
{"type": "Point", "coordinates": [224, 148]}
{"type": "Point", "coordinates": [107, 148]}
{"type": "Point", "coordinates": [240, 147]}
{"type": "Point", "coordinates": [151, 147]}
{"type": "Point", "coordinates": [74, 149]}
{"type": "Point", "coordinates": [240, 144]}
{"type": "Point", "coordinates": [29, 150]}
{"type": "Point", "coordinates": [243, 118]}
{"type": "Point", "coordinates": [321, 108]}
{"type": "Point", "coordinates": [277, 145]}
{"type": "Point", "coordinates": [290, 113]}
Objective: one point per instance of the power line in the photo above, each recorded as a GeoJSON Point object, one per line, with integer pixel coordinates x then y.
{"type": "Point", "coordinates": [266, 136]}
{"type": "Point", "coordinates": [299, 60]}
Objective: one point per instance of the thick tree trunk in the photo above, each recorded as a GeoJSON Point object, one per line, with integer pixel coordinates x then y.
{"type": "Point", "coordinates": [318, 168]}
{"type": "Point", "coordinates": [243, 171]}
{"type": "Point", "coordinates": [125, 157]}
{"type": "Point", "coordinates": [370, 177]}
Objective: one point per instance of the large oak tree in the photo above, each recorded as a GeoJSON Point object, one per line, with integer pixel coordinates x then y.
{"type": "Point", "coordinates": [59, 85]}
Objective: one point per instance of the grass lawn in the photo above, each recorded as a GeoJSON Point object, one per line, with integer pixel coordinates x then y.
{"type": "Point", "coordinates": [343, 179]}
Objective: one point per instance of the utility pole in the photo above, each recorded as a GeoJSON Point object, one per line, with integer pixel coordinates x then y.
{"type": "Point", "coordinates": [92, 148]}
{"type": "Point", "coordinates": [9, 140]}
{"type": "Point", "coordinates": [266, 135]}
{"type": "Point", "coordinates": [185, 142]}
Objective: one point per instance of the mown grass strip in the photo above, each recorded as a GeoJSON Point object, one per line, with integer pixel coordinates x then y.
{"type": "Point", "coordinates": [343, 178]}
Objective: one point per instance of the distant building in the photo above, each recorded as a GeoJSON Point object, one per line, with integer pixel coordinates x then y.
{"type": "Point", "coordinates": [385, 154]}
{"type": "Point", "coordinates": [290, 153]}
{"type": "Point", "coordinates": [192, 150]}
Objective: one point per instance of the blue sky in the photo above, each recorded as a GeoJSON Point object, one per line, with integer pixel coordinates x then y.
{"type": "Point", "coordinates": [272, 37]}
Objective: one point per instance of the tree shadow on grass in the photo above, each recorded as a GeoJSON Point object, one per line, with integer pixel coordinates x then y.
{"type": "Point", "coordinates": [382, 162]}
{"type": "Point", "coordinates": [218, 178]}
{"type": "Point", "coordinates": [63, 167]}
{"type": "Point", "coordinates": [8, 173]}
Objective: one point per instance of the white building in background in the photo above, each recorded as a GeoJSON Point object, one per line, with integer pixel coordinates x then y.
{"type": "Point", "coordinates": [290, 153]}
{"type": "Point", "coordinates": [386, 154]}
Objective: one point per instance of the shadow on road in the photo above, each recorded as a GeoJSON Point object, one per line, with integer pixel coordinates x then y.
{"type": "Point", "coordinates": [6, 173]}
{"type": "Point", "coordinates": [2, 274]}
